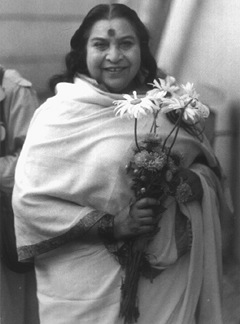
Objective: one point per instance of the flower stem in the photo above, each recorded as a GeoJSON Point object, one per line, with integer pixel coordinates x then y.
{"type": "Point", "coordinates": [177, 125]}
{"type": "Point", "coordinates": [154, 124]}
{"type": "Point", "coordinates": [173, 129]}
{"type": "Point", "coordinates": [135, 135]}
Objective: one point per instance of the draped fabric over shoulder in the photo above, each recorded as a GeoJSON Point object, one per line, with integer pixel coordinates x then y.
{"type": "Point", "coordinates": [70, 173]}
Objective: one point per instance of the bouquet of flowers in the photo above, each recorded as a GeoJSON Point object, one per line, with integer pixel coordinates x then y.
{"type": "Point", "coordinates": [152, 167]}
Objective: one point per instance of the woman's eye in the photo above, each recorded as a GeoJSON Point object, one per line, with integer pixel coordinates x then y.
{"type": "Point", "coordinates": [126, 44]}
{"type": "Point", "coordinates": [101, 46]}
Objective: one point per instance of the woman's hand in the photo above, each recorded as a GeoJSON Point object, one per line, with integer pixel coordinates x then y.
{"type": "Point", "coordinates": [142, 219]}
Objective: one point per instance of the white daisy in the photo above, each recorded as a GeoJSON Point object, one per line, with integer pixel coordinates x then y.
{"type": "Point", "coordinates": [190, 115]}
{"type": "Point", "coordinates": [156, 95]}
{"type": "Point", "coordinates": [193, 109]}
{"type": "Point", "coordinates": [134, 107]}
{"type": "Point", "coordinates": [171, 104]}
{"type": "Point", "coordinates": [190, 91]}
{"type": "Point", "coordinates": [165, 85]}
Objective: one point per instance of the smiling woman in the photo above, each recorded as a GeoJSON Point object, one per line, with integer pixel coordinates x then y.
{"type": "Point", "coordinates": [79, 216]}
{"type": "Point", "coordinates": [113, 54]}
{"type": "Point", "coordinates": [131, 39]}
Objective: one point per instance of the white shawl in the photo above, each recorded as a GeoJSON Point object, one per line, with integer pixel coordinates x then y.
{"type": "Point", "coordinates": [72, 170]}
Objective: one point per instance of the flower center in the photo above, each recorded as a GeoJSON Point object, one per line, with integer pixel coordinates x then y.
{"type": "Point", "coordinates": [135, 101]}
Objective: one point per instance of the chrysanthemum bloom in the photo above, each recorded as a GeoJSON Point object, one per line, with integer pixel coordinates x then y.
{"type": "Point", "coordinates": [141, 158]}
{"type": "Point", "coordinates": [150, 161]}
{"type": "Point", "coordinates": [183, 192]}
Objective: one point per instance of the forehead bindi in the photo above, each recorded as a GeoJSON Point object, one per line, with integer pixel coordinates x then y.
{"type": "Point", "coordinates": [114, 28]}
{"type": "Point", "coordinates": [111, 32]}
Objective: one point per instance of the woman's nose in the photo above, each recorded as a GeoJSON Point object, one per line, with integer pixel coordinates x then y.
{"type": "Point", "coordinates": [114, 54]}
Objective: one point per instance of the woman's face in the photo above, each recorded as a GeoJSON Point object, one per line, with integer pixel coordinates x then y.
{"type": "Point", "coordinates": [113, 54]}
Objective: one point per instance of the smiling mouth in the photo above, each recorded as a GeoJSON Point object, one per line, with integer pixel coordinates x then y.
{"type": "Point", "coordinates": [115, 69]}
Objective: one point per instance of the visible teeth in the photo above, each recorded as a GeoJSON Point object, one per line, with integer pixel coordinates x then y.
{"type": "Point", "coordinates": [114, 69]}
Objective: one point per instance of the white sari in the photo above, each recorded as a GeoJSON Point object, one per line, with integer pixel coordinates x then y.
{"type": "Point", "coordinates": [70, 173]}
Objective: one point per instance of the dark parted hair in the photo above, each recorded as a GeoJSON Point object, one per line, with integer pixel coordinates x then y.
{"type": "Point", "coordinates": [75, 60]}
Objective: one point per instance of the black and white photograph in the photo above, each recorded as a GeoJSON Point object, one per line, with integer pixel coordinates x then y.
{"type": "Point", "coordinates": [119, 162]}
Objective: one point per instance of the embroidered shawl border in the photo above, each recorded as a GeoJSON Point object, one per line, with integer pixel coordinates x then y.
{"type": "Point", "coordinates": [79, 230]}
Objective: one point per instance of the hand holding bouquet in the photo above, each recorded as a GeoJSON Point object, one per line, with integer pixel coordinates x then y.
{"type": "Point", "coordinates": [156, 170]}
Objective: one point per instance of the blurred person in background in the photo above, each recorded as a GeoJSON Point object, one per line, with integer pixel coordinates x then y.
{"type": "Point", "coordinates": [18, 102]}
